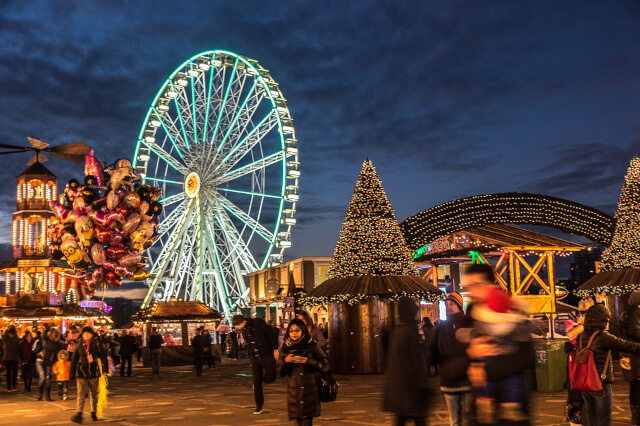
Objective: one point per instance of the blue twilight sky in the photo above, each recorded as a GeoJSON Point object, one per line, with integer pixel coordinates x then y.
{"type": "Point", "coordinates": [447, 98]}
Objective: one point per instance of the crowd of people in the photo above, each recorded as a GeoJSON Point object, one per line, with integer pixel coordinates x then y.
{"type": "Point", "coordinates": [47, 355]}
{"type": "Point", "coordinates": [482, 355]}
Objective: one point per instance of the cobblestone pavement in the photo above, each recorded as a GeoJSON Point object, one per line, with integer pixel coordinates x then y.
{"type": "Point", "coordinates": [223, 396]}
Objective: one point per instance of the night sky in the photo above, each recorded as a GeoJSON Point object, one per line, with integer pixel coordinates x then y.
{"type": "Point", "coordinates": [447, 98]}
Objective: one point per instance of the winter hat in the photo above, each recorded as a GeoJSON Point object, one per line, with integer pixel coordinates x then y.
{"type": "Point", "coordinates": [456, 298]}
{"type": "Point", "coordinates": [597, 317]}
{"type": "Point", "coordinates": [87, 329]}
{"type": "Point", "coordinates": [634, 299]}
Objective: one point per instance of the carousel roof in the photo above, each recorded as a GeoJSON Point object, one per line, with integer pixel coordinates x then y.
{"type": "Point", "coordinates": [27, 262]}
{"type": "Point", "coordinates": [373, 285]}
{"type": "Point", "coordinates": [37, 169]}
{"type": "Point", "coordinates": [46, 311]}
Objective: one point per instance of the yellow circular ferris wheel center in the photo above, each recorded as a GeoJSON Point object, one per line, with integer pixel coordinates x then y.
{"type": "Point", "coordinates": [192, 184]}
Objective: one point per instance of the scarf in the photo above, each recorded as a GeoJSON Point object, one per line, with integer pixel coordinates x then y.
{"type": "Point", "coordinates": [291, 345]}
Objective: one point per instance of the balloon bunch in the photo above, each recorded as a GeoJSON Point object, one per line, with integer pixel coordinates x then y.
{"type": "Point", "coordinates": [104, 225]}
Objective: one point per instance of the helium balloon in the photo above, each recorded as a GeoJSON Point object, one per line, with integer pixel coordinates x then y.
{"type": "Point", "coordinates": [84, 230]}
{"type": "Point", "coordinates": [115, 238]}
{"type": "Point", "coordinates": [63, 215]}
{"type": "Point", "coordinates": [112, 279]}
{"type": "Point", "coordinates": [123, 272]}
{"type": "Point", "coordinates": [132, 200]}
{"type": "Point", "coordinates": [140, 275]}
{"type": "Point", "coordinates": [106, 219]}
{"type": "Point", "coordinates": [140, 235]}
{"type": "Point", "coordinates": [87, 194]}
{"type": "Point", "coordinates": [90, 180]}
{"type": "Point", "coordinates": [98, 254]}
{"type": "Point", "coordinates": [155, 208]}
{"type": "Point", "coordinates": [131, 259]}
{"type": "Point", "coordinates": [114, 252]}
{"type": "Point", "coordinates": [93, 167]}
{"type": "Point", "coordinates": [74, 254]}
{"type": "Point", "coordinates": [112, 200]}
{"type": "Point", "coordinates": [131, 223]}
{"type": "Point", "coordinates": [98, 274]}
{"type": "Point", "coordinates": [102, 234]}
{"type": "Point", "coordinates": [144, 191]}
{"type": "Point", "coordinates": [111, 265]}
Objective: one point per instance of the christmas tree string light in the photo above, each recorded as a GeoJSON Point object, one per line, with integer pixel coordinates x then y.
{"type": "Point", "coordinates": [370, 241]}
{"type": "Point", "coordinates": [371, 244]}
{"type": "Point", "coordinates": [624, 251]}
{"type": "Point", "coordinates": [623, 255]}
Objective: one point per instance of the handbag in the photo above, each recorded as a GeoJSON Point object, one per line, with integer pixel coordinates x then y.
{"type": "Point", "coordinates": [583, 373]}
{"type": "Point", "coordinates": [327, 386]}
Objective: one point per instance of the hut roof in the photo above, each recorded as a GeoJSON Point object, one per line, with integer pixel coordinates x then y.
{"type": "Point", "coordinates": [611, 282]}
{"type": "Point", "coordinates": [373, 285]}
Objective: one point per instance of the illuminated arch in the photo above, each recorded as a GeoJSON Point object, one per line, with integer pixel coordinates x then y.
{"type": "Point", "coordinates": [512, 208]}
{"type": "Point", "coordinates": [72, 296]}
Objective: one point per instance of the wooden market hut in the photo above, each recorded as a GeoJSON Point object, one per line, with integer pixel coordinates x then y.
{"type": "Point", "coordinates": [362, 312]}
{"type": "Point", "coordinates": [177, 322]}
{"type": "Point", "coordinates": [30, 313]}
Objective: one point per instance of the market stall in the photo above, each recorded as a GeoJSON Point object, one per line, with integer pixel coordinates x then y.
{"type": "Point", "coordinates": [177, 322]}
{"type": "Point", "coordinates": [31, 315]}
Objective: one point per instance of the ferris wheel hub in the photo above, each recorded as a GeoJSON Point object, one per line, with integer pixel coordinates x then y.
{"type": "Point", "coordinates": [192, 184]}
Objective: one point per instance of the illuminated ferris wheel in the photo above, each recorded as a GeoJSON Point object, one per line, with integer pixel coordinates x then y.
{"type": "Point", "coordinates": [219, 141]}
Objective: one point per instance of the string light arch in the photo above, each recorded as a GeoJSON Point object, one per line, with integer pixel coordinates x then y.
{"type": "Point", "coordinates": [516, 208]}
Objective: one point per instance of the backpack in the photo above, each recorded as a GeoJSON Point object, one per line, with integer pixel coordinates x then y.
{"type": "Point", "coordinates": [583, 372]}
{"type": "Point", "coordinates": [327, 386]}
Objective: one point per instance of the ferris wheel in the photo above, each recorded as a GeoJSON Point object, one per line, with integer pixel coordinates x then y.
{"type": "Point", "coordinates": [219, 141]}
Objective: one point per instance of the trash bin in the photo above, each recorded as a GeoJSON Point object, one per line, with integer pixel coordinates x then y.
{"type": "Point", "coordinates": [551, 364]}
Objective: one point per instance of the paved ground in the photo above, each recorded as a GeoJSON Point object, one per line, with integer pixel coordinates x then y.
{"type": "Point", "coordinates": [223, 396]}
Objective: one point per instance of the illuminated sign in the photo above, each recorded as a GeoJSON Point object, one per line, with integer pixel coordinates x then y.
{"type": "Point", "coordinates": [92, 304]}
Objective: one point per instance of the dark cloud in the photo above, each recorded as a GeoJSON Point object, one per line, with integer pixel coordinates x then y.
{"type": "Point", "coordinates": [449, 99]}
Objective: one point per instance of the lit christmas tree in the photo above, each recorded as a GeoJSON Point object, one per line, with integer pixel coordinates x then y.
{"type": "Point", "coordinates": [370, 242]}
{"type": "Point", "coordinates": [624, 251]}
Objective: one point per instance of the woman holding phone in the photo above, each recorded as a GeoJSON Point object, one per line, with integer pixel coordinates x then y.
{"type": "Point", "coordinates": [300, 359]}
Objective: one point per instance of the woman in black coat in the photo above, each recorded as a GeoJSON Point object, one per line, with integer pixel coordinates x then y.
{"type": "Point", "coordinates": [300, 359]}
{"type": "Point", "coordinates": [406, 388]}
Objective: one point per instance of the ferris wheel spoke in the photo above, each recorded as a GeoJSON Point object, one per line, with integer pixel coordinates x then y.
{"type": "Point", "coordinates": [217, 76]}
{"type": "Point", "coordinates": [163, 180]}
{"type": "Point", "coordinates": [221, 282]}
{"type": "Point", "coordinates": [237, 115]}
{"type": "Point", "coordinates": [173, 199]}
{"type": "Point", "coordinates": [164, 126]}
{"type": "Point", "coordinates": [179, 112]}
{"type": "Point", "coordinates": [244, 117]}
{"type": "Point", "coordinates": [224, 102]}
{"type": "Point", "coordinates": [231, 109]}
{"type": "Point", "coordinates": [237, 243]}
{"type": "Point", "coordinates": [248, 220]}
{"type": "Point", "coordinates": [250, 168]}
{"type": "Point", "coordinates": [248, 142]}
{"type": "Point", "coordinates": [171, 220]}
{"type": "Point", "coordinates": [164, 155]}
{"type": "Point", "coordinates": [172, 129]}
{"type": "Point", "coordinates": [257, 194]}
{"type": "Point", "coordinates": [168, 253]}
